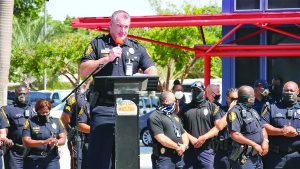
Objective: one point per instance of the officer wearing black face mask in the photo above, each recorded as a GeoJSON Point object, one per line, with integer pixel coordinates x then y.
{"type": "Point", "coordinates": [197, 119]}
{"type": "Point", "coordinates": [17, 113]}
{"type": "Point", "coordinates": [261, 93]}
{"type": "Point", "coordinates": [213, 94]}
{"type": "Point", "coordinates": [282, 122]}
{"type": "Point", "coordinates": [168, 135]}
{"type": "Point", "coordinates": [276, 88]}
{"type": "Point", "coordinates": [250, 139]}
{"type": "Point", "coordinates": [42, 135]}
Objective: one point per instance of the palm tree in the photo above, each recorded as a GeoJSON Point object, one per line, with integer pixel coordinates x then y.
{"type": "Point", "coordinates": [6, 17]}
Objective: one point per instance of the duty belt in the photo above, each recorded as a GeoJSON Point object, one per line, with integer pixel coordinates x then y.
{"type": "Point", "coordinates": [277, 149]}
{"type": "Point", "coordinates": [164, 150]}
{"type": "Point", "coordinates": [42, 153]}
{"type": "Point", "coordinates": [223, 144]}
{"type": "Point", "coordinates": [18, 148]}
{"type": "Point", "coordinates": [207, 145]}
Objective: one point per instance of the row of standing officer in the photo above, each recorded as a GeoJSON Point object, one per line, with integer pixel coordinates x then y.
{"type": "Point", "coordinates": [281, 122]}
{"type": "Point", "coordinates": [23, 122]}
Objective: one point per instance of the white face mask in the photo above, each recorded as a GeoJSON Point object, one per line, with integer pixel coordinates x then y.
{"type": "Point", "coordinates": [178, 95]}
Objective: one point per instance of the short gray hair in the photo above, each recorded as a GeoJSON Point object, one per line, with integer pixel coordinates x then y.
{"type": "Point", "coordinates": [125, 15]}
{"type": "Point", "coordinates": [164, 96]}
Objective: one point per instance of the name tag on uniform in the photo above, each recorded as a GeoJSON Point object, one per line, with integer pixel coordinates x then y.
{"type": "Point", "coordinates": [106, 50]}
{"type": "Point", "coordinates": [36, 129]}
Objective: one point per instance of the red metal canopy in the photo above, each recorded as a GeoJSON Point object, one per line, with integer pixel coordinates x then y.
{"type": "Point", "coordinates": [267, 21]}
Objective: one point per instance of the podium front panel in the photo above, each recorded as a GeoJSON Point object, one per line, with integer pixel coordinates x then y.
{"type": "Point", "coordinates": [127, 142]}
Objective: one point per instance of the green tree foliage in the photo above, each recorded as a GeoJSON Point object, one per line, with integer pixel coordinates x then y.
{"type": "Point", "coordinates": [184, 62]}
{"type": "Point", "coordinates": [26, 8]}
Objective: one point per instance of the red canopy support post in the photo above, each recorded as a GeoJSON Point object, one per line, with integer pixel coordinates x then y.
{"type": "Point", "coordinates": [206, 71]}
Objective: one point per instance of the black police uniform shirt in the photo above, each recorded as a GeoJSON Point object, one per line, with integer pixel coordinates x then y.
{"type": "Point", "coordinates": [70, 107]}
{"type": "Point", "coordinates": [259, 106]}
{"type": "Point", "coordinates": [277, 116]}
{"type": "Point", "coordinates": [159, 123]}
{"type": "Point", "coordinates": [197, 121]}
{"type": "Point", "coordinates": [17, 116]}
{"type": "Point", "coordinates": [218, 114]}
{"type": "Point", "coordinates": [38, 130]}
{"type": "Point", "coordinates": [131, 50]}
{"type": "Point", "coordinates": [84, 116]}
{"type": "Point", "coordinates": [249, 126]}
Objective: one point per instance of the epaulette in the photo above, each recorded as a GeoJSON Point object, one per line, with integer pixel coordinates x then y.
{"type": "Point", "coordinates": [101, 36]}
{"type": "Point", "coordinates": [134, 40]}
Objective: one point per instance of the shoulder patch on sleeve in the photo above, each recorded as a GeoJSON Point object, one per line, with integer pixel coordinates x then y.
{"type": "Point", "coordinates": [148, 53]}
{"type": "Point", "coordinates": [26, 124]}
{"type": "Point", "coordinates": [68, 108]}
{"type": "Point", "coordinates": [81, 111]}
{"type": "Point", "coordinates": [232, 116]}
{"type": "Point", "coordinates": [216, 111]}
{"type": "Point", "coordinates": [71, 101]}
{"type": "Point", "coordinates": [88, 50]}
{"type": "Point", "coordinates": [266, 109]}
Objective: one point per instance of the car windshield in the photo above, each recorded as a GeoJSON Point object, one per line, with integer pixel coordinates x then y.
{"type": "Point", "coordinates": [64, 94]}
{"type": "Point", "coordinates": [60, 106]}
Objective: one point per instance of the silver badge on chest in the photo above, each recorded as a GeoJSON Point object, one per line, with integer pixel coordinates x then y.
{"type": "Point", "coordinates": [131, 51]}
{"type": "Point", "coordinates": [54, 126]}
{"type": "Point", "coordinates": [205, 112]}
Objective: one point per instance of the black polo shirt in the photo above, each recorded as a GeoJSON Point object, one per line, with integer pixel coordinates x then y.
{"type": "Point", "coordinates": [160, 123]}
{"type": "Point", "coordinates": [197, 120]}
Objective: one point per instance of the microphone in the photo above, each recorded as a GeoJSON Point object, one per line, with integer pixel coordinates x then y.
{"type": "Point", "coordinates": [119, 42]}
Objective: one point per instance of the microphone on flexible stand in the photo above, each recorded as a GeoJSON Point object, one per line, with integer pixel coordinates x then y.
{"type": "Point", "coordinates": [119, 43]}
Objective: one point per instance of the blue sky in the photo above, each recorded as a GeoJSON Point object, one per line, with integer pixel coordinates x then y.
{"type": "Point", "coordinates": [59, 9]}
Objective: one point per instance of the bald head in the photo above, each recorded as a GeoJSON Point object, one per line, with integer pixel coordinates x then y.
{"type": "Point", "coordinates": [246, 91]}
{"type": "Point", "coordinates": [291, 87]}
{"type": "Point", "coordinates": [212, 91]}
{"type": "Point", "coordinates": [166, 97]}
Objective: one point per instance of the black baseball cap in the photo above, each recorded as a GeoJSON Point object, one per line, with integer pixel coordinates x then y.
{"type": "Point", "coordinates": [261, 83]}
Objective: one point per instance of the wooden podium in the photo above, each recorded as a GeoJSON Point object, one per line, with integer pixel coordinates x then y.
{"type": "Point", "coordinates": [127, 142]}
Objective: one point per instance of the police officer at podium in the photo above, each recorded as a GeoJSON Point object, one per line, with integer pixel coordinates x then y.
{"type": "Point", "coordinates": [169, 138]}
{"type": "Point", "coordinates": [282, 122]}
{"type": "Point", "coordinates": [118, 60]}
{"type": "Point", "coordinates": [250, 139]}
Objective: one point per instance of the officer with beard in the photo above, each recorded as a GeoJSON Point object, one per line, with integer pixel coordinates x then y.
{"type": "Point", "coordinates": [276, 88]}
{"type": "Point", "coordinates": [168, 135]}
{"type": "Point", "coordinates": [250, 139]}
{"type": "Point", "coordinates": [197, 119]}
{"type": "Point", "coordinates": [223, 140]}
{"type": "Point", "coordinates": [282, 122]}
{"type": "Point", "coordinates": [261, 93]}
{"type": "Point", "coordinates": [17, 113]}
